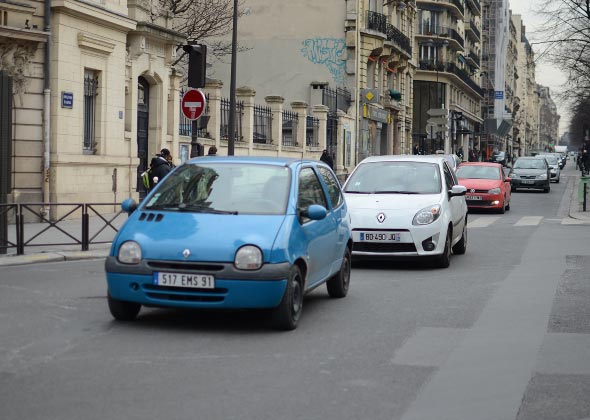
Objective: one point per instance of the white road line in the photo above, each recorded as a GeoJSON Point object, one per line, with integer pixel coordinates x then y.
{"type": "Point", "coordinates": [481, 222]}
{"type": "Point", "coordinates": [529, 221]}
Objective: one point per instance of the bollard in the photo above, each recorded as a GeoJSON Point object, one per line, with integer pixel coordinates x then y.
{"type": "Point", "coordinates": [585, 189]}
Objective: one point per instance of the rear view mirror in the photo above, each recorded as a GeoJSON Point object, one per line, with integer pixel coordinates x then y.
{"type": "Point", "coordinates": [129, 205]}
{"type": "Point", "coordinates": [316, 212]}
{"type": "Point", "coordinates": [457, 190]}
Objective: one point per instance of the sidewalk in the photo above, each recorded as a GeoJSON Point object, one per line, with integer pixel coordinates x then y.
{"type": "Point", "coordinates": [37, 254]}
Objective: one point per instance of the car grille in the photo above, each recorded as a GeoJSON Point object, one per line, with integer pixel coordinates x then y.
{"type": "Point", "coordinates": [184, 294]}
{"type": "Point", "coordinates": [478, 202]}
{"type": "Point", "coordinates": [183, 266]}
{"type": "Point", "coordinates": [477, 191]}
{"type": "Point", "coordinates": [528, 177]}
{"type": "Point", "coordinates": [383, 247]}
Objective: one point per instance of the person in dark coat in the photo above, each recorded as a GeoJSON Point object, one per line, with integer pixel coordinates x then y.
{"type": "Point", "coordinates": [212, 151]}
{"type": "Point", "coordinates": [159, 167]}
{"type": "Point", "coordinates": [327, 159]}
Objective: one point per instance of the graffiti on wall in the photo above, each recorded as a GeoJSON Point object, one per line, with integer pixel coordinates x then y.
{"type": "Point", "coordinates": [328, 52]}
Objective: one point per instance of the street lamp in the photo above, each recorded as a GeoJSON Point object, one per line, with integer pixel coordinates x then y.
{"type": "Point", "coordinates": [232, 87]}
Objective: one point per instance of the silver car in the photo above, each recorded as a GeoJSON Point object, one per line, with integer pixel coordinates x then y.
{"type": "Point", "coordinates": [554, 166]}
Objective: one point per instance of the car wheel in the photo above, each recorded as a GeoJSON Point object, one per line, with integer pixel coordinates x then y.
{"type": "Point", "coordinates": [286, 315]}
{"type": "Point", "coordinates": [445, 259]}
{"type": "Point", "coordinates": [502, 209]}
{"type": "Point", "coordinates": [461, 246]}
{"type": "Point", "coordinates": [338, 284]}
{"type": "Point", "coordinates": [547, 189]}
{"type": "Point", "coordinates": [557, 181]}
{"type": "Point", "coordinates": [122, 310]}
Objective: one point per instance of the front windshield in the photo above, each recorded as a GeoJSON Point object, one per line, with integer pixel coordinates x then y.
{"type": "Point", "coordinates": [395, 178]}
{"type": "Point", "coordinates": [478, 172]}
{"type": "Point", "coordinates": [551, 159]}
{"type": "Point", "coordinates": [224, 188]}
{"type": "Point", "coordinates": [529, 164]}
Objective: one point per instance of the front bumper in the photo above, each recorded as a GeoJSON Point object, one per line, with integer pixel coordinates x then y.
{"type": "Point", "coordinates": [488, 201]}
{"type": "Point", "coordinates": [234, 289]}
{"type": "Point", "coordinates": [539, 184]}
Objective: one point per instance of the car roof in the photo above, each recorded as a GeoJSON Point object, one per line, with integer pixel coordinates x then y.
{"type": "Point", "coordinates": [405, 158]}
{"type": "Point", "coordinates": [495, 165]}
{"type": "Point", "coordinates": [538, 157]}
{"type": "Point", "coordinates": [261, 160]}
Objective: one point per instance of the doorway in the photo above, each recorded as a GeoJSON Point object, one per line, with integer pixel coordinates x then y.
{"type": "Point", "coordinates": [143, 96]}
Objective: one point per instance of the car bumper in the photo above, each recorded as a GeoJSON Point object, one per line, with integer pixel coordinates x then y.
{"type": "Point", "coordinates": [536, 184]}
{"type": "Point", "coordinates": [488, 201]}
{"type": "Point", "coordinates": [412, 243]}
{"type": "Point", "coordinates": [252, 290]}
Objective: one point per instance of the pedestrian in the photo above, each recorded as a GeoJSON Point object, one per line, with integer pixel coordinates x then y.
{"type": "Point", "coordinates": [170, 161]}
{"type": "Point", "coordinates": [416, 150]}
{"type": "Point", "coordinates": [460, 153]}
{"type": "Point", "coordinates": [327, 159]}
{"type": "Point", "coordinates": [159, 167]}
{"type": "Point", "coordinates": [212, 151]}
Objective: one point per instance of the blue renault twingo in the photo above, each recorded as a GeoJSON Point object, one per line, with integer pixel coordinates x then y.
{"type": "Point", "coordinates": [233, 232]}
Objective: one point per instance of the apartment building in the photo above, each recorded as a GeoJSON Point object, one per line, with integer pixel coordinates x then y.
{"type": "Point", "coordinates": [448, 46]}
{"type": "Point", "coordinates": [548, 133]}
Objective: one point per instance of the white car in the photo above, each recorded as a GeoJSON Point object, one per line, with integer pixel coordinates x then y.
{"type": "Point", "coordinates": [406, 206]}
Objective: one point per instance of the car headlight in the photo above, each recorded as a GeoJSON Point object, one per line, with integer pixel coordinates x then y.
{"type": "Point", "coordinates": [248, 257]}
{"type": "Point", "coordinates": [427, 215]}
{"type": "Point", "coordinates": [543, 176]}
{"type": "Point", "coordinates": [514, 176]}
{"type": "Point", "coordinates": [129, 253]}
{"type": "Point", "coordinates": [495, 191]}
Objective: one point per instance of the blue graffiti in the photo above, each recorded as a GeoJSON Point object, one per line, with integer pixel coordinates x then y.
{"type": "Point", "coordinates": [327, 51]}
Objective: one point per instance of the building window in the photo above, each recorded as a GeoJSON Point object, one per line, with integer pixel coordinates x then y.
{"type": "Point", "coordinates": [90, 92]}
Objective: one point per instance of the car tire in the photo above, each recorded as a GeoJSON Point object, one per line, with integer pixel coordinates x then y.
{"type": "Point", "coordinates": [338, 285]}
{"type": "Point", "coordinates": [547, 189]}
{"type": "Point", "coordinates": [286, 316]}
{"type": "Point", "coordinates": [461, 246]}
{"type": "Point", "coordinates": [502, 209]}
{"type": "Point", "coordinates": [122, 310]}
{"type": "Point", "coordinates": [445, 259]}
{"type": "Point", "coordinates": [557, 181]}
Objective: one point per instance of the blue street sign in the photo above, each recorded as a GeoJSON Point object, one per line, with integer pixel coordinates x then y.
{"type": "Point", "coordinates": [67, 99]}
{"type": "Point", "coordinates": [499, 94]}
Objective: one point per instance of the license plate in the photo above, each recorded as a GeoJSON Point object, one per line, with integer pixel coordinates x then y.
{"type": "Point", "coordinates": [474, 197]}
{"type": "Point", "coordinates": [380, 237]}
{"type": "Point", "coordinates": [195, 281]}
{"type": "Point", "coordinates": [527, 181]}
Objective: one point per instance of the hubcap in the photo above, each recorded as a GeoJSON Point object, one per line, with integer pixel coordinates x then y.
{"type": "Point", "coordinates": [297, 296]}
{"type": "Point", "coordinates": [346, 273]}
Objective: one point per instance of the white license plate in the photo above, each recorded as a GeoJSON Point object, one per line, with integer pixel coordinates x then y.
{"type": "Point", "coordinates": [195, 281]}
{"type": "Point", "coordinates": [380, 237]}
{"type": "Point", "coordinates": [527, 181]}
{"type": "Point", "coordinates": [474, 197]}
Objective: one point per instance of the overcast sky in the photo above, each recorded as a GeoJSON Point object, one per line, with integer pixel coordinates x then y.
{"type": "Point", "coordinates": [546, 74]}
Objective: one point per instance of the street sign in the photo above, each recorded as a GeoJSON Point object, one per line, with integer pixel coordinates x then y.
{"type": "Point", "coordinates": [438, 112]}
{"type": "Point", "coordinates": [193, 104]}
{"type": "Point", "coordinates": [440, 122]}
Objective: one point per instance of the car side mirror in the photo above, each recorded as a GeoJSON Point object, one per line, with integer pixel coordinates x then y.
{"type": "Point", "coordinates": [316, 212]}
{"type": "Point", "coordinates": [457, 190]}
{"type": "Point", "coordinates": [129, 205]}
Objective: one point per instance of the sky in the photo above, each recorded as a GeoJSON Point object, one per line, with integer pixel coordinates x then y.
{"type": "Point", "coordinates": [546, 74]}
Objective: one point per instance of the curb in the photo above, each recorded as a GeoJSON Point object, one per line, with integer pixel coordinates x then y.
{"type": "Point", "coordinates": [46, 257]}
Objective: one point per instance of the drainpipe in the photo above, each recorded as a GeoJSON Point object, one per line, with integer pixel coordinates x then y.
{"type": "Point", "coordinates": [46, 108]}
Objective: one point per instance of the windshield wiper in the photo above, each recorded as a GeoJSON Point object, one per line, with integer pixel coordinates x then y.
{"type": "Point", "coordinates": [396, 192]}
{"type": "Point", "coordinates": [203, 209]}
{"type": "Point", "coordinates": [357, 192]}
{"type": "Point", "coordinates": [162, 207]}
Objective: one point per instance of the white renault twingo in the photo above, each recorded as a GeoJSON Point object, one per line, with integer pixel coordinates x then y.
{"type": "Point", "coordinates": [406, 206]}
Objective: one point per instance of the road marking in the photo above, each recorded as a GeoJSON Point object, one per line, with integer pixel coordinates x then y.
{"type": "Point", "coordinates": [529, 221]}
{"type": "Point", "coordinates": [481, 222]}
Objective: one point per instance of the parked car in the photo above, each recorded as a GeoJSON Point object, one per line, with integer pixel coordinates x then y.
{"type": "Point", "coordinates": [452, 160]}
{"type": "Point", "coordinates": [406, 207]}
{"type": "Point", "coordinates": [554, 166]}
{"type": "Point", "coordinates": [238, 233]}
{"type": "Point", "coordinates": [498, 157]}
{"type": "Point", "coordinates": [487, 187]}
{"type": "Point", "coordinates": [530, 172]}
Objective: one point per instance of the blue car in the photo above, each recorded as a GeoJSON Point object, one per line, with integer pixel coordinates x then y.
{"type": "Point", "coordinates": [235, 233]}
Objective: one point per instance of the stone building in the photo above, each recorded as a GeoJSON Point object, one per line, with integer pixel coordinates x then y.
{"type": "Point", "coordinates": [448, 51]}
{"type": "Point", "coordinates": [548, 135]}
{"type": "Point", "coordinates": [113, 100]}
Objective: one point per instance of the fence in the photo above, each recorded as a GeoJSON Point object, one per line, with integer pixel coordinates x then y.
{"type": "Point", "coordinates": [73, 228]}
{"type": "Point", "coordinates": [289, 134]}
{"type": "Point", "coordinates": [336, 99]}
{"type": "Point", "coordinates": [224, 126]}
{"type": "Point", "coordinates": [262, 124]}
{"type": "Point", "coordinates": [312, 133]}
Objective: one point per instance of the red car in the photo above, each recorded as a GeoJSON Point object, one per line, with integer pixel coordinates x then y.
{"type": "Point", "coordinates": [487, 187]}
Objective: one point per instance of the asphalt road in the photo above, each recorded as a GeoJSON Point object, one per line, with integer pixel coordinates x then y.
{"type": "Point", "coordinates": [504, 333]}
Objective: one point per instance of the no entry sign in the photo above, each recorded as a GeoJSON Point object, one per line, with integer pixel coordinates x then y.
{"type": "Point", "coordinates": [193, 104]}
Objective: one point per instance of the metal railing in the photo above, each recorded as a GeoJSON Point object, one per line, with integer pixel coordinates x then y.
{"type": "Point", "coordinates": [474, 57]}
{"type": "Point", "coordinates": [311, 132]}
{"type": "Point", "coordinates": [474, 29]}
{"type": "Point", "coordinates": [262, 125]}
{"type": "Point", "coordinates": [290, 120]}
{"type": "Point", "coordinates": [336, 99]}
{"type": "Point", "coordinates": [224, 125]}
{"type": "Point", "coordinates": [377, 21]}
{"type": "Point", "coordinates": [76, 215]}
{"type": "Point", "coordinates": [397, 36]}
{"type": "Point", "coordinates": [449, 67]}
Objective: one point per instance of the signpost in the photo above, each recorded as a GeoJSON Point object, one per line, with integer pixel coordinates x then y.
{"type": "Point", "coordinates": [193, 105]}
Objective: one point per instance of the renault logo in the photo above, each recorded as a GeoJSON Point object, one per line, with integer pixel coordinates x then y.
{"type": "Point", "coordinates": [186, 253]}
{"type": "Point", "coordinates": [381, 217]}
{"type": "Point", "coordinates": [473, 190]}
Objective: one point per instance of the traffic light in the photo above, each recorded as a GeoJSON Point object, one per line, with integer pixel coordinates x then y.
{"type": "Point", "coordinates": [197, 65]}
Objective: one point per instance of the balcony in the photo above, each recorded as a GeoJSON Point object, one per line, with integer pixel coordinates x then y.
{"type": "Point", "coordinates": [397, 37]}
{"type": "Point", "coordinates": [459, 6]}
{"type": "Point", "coordinates": [450, 67]}
{"type": "Point", "coordinates": [472, 32]}
{"type": "Point", "coordinates": [456, 41]}
{"type": "Point", "coordinates": [474, 6]}
{"type": "Point", "coordinates": [377, 22]}
{"type": "Point", "coordinates": [474, 59]}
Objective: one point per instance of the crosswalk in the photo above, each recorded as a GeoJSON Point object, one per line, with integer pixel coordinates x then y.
{"type": "Point", "coordinates": [487, 221]}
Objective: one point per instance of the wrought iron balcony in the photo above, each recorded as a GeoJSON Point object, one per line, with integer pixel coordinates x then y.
{"type": "Point", "coordinates": [450, 67]}
{"type": "Point", "coordinates": [396, 36]}
{"type": "Point", "coordinates": [474, 6]}
{"type": "Point", "coordinates": [458, 5]}
{"type": "Point", "coordinates": [473, 57]}
{"type": "Point", "coordinates": [471, 27]}
{"type": "Point", "coordinates": [377, 22]}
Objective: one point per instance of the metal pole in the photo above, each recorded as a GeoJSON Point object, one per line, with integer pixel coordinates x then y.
{"type": "Point", "coordinates": [194, 139]}
{"type": "Point", "coordinates": [232, 87]}
{"type": "Point", "coordinates": [584, 206]}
